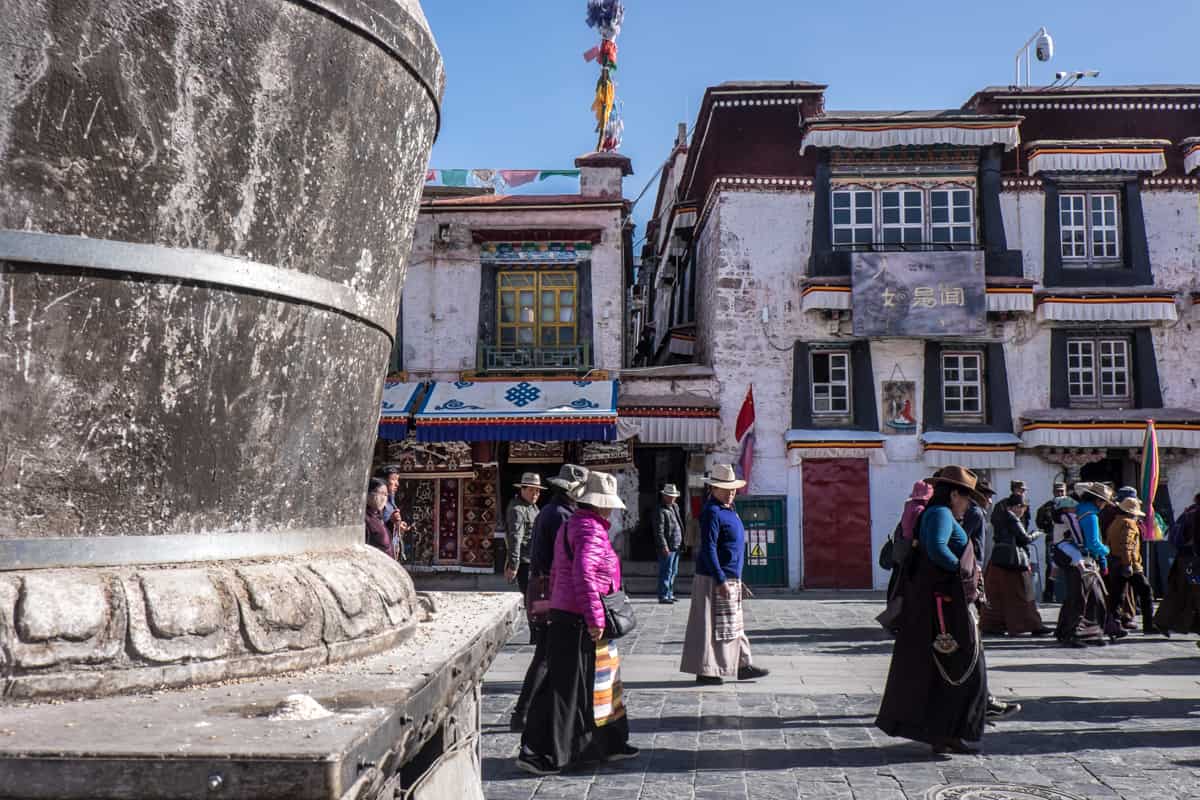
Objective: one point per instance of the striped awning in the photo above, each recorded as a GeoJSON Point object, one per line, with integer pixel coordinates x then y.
{"type": "Point", "coordinates": [1112, 308]}
{"type": "Point", "coordinates": [805, 443]}
{"type": "Point", "coordinates": [1095, 155]}
{"type": "Point", "coordinates": [971, 450]}
{"type": "Point", "coordinates": [1018, 299]}
{"type": "Point", "coordinates": [1105, 434]}
{"type": "Point", "coordinates": [819, 297]}
{"type": "Point", "coordinates": [539, 411]}
{"type": "Point", "coordinates": [395, 408]}
{"type": "Point", "coordinates": [908, 129]}
{"type": "Point", "coordinates": [1191, 154]}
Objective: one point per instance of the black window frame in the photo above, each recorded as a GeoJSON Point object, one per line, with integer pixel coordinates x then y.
{"type": "Point", "coordinates": [839, 417]}
{"type": "Point", "coordinates": [1143, 366]}
{"type": "Point", "coordinates": [1131, 269]}
{"type": "Point", "coordinates": [966, 417]}
{"type": "Point", "coordinates": [997, 414]}
{"type": "Point", "coordinates": [864, 413]}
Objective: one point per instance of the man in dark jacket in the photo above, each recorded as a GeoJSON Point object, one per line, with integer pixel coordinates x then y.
{"type": "Point", "coordinates": [668, 538]}
{"type": "Point", "coordinates": [541, 557]}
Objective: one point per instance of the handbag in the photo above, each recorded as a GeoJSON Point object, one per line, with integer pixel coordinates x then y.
{"type": "Point", "coordinates": [619, 619]}
{"type": "Point", "coordinates": [537, 599]}
{"type": "Point", "coordinates": [886, 555]}
{"type": "Point", "coordinates": [1191, 571]}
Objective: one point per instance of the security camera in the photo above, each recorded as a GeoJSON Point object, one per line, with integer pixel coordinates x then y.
{"type": "Point", "coordinates": [1044, 49]}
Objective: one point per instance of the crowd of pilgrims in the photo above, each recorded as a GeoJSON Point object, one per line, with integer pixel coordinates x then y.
{"type": "Point", "coordinates": [941, 599]}
{"type": "Point", "coordinates": [940, 602]}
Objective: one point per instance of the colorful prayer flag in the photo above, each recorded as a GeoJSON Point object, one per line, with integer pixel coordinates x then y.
{"type": "Point", "coordinates": [518, 177]}
{"type": "Point", "coordinates": [454, 177]}
{"type": "Point", "coordinates": [563, 173]}
{"type": "Point", "coordinates": [1149, 483]}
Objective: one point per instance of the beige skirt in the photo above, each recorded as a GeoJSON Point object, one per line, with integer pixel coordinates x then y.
{"type": "Point", "coordinates": [715, 643]}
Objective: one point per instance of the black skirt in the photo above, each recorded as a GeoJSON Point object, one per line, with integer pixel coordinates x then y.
{"type": "Point", "coordinates": [1084, 610]}
{"type": "Point", "coordinates": [930, 697]}
{"type": "Point", "coordinates": [561, 723]}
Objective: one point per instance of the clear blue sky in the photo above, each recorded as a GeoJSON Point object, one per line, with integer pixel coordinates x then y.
{"type": "Point", "coordinates": [518, 90]}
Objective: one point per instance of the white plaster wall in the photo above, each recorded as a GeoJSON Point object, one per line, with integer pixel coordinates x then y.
{"type": "Point", "coordinates": [752, 256]}
{"type": "Point", "coordinates": [441, 290]}
{"type": "Point", "coordinates": [1027, 360]}
{"type": "Point", "coordinates": [1173, 237]}
{"type": "Point", "coordinates": [890, 487]}
{"type": "Point", "coordinates": [1024, 227]}
{"type": "Point", "coordinates": [904, 359]}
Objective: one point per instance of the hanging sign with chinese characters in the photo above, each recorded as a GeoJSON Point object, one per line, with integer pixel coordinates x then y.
{"type": "Point", "coordinates": [919, 294]}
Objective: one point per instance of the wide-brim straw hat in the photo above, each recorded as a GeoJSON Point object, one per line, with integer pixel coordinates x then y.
{"type": "Point", "coordinates": [1131, 506]}
{"type": "Point", "coordinates": [599, 490]}
{"type": "Point", "coordinates": [962, 478]}
{"type": "Point", "coordinates": [669, 490]}
{"type": "Point", "coordinates": [530, 480]}
{"type": "Point", "coordinates": [569, 478]}
{"type": "Point", "coordinates": [722, 476]}
{"type": "Point", "coordinates": [1096, 490]}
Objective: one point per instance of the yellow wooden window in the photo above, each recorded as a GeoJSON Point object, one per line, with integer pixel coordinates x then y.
{"type": "Point", "coordinates": [537, 309]}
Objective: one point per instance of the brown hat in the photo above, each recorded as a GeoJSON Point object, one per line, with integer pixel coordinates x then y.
{"type": "Point", "coordinates": [1096, 490]}
{"type": "Point", "coordinates": [985, 488]}
{"type": "Point", "coordinates": [1132, 506]}
{"type": "Point", "coordinates": [962, 478]}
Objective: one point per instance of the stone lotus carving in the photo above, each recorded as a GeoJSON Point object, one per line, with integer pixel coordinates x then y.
{"type": "Point", "coordinates": [104, 631]}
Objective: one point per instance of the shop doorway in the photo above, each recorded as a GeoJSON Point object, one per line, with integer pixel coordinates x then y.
{"type": "Point", "coordinates": [655, 466]}
{"type": "Point", "coordinates": [836, 532]}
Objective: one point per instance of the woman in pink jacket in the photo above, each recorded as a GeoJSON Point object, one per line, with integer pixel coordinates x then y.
{"type": "Point", "coordinates": [578, 714]}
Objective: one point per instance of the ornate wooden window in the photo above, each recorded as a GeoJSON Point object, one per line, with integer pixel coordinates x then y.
{"type": "Point", "coordinates": [901, 217]}
{"type": "Point", "coordinates": [951, 216]}
{"type": "Point", "coordinates": [537, 309]}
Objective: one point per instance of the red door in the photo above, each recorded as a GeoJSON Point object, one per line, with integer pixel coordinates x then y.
{"type": "Point", "coordinates": [837, 523]}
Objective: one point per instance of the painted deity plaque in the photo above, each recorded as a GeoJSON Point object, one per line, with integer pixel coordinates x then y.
{"type": "Point", "coordinates": [919, 293]}
{"type": "Point", "coordinates": [899, 407]}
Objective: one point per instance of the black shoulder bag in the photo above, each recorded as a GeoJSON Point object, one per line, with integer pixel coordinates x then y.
{"type": "Point", "coordinates": [619, 619]}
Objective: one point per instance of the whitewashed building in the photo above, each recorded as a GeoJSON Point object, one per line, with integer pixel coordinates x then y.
{"type": "Point", "coordinates": [510, 345]}
{"type": "Point", "coordinates": [1009, 285]}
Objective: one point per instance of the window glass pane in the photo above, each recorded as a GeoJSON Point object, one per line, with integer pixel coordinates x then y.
{"type": "Point", "coordinates": [962, 235]}
{"type": "Point", "coordinates": [508, 336]}
{"type": "Point", "coordinates": [842, 235]}
{"type": "Point", "coordinates": [864, 236]}
{"type": "Point", "coordinates": [863, 216]}
{"type": "Point", "coordinates": [820, 368]}
{"type": "Point", "coordinates": [941, 235]}
{"type": "Point", "coordinates": [566, 336]}
{"type": "Point", "coordinates": [939, 215]}
{"type": "Point", "coordinates": [841, 216]}
{"type": "Point", "coordinates": [962, 198]}
{"type": "Point", "coordinates": [549, 339]}
{"type": "Point", "coordinates": [566, 314]}
{"type": "Point", "coordinates": [962, 213]}
{"type": "Point", "coordinates": [525, 335]}
{"type": "Point", "coordinates": [841, 200]}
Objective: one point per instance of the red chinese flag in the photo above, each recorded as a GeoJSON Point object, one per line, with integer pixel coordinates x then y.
{"type": "Point", "coordinates": [745, 420]}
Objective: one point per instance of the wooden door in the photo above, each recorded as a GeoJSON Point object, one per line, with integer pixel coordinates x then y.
{"type": "Point", "coordinates": [836, 538]}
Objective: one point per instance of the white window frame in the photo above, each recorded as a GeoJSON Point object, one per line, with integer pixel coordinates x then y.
{"type": "Point", "coordinates": [952, 224]}
{"type": "Point", "coordinates": [1101, 377]}
{"type": "Point", "coordinates": [962, 357]}
{"type": "Point", "coordinates": [831, 384]}
{"type": "Point", "coordinates": [1081, 248]}
{"type": "Point", "coordinates": [856, 195]}
{"type": "Point", "coordinates": [903, 225]}
{"type": "Point", "coordinates": [877, 229]}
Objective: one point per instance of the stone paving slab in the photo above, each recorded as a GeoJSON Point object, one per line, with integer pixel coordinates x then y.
{"type": "Point", "coordinates": [1115, 722]}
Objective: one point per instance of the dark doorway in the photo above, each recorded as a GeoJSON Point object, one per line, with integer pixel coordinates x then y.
{"type": "Point", "coordinates": [655, 466]}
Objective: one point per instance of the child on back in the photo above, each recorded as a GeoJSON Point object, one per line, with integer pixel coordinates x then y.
{"type": "Point", "coordinates": [913, 506]}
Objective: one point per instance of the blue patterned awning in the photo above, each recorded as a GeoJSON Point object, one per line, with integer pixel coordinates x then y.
{"type": "Point", "coordinates": [397, 405]}
{"type": "Point", "coordinates": [539, 411]}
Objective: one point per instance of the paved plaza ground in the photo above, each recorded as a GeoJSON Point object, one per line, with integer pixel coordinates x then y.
{"type": "Point", "coordinates": [1116, 722]}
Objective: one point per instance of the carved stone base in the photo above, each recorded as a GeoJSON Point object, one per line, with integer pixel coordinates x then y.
{"type": "Point", "coordinates": [100, 631]}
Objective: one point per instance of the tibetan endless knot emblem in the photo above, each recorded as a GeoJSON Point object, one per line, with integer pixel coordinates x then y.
{"type": "Point", "coordinates": [522, 394]}
{"type": "Point", "coordinates": [997, 791]}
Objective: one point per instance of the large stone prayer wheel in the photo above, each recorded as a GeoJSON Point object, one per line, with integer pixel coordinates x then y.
{"type": "Point", "coordinates": [205, 212]}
